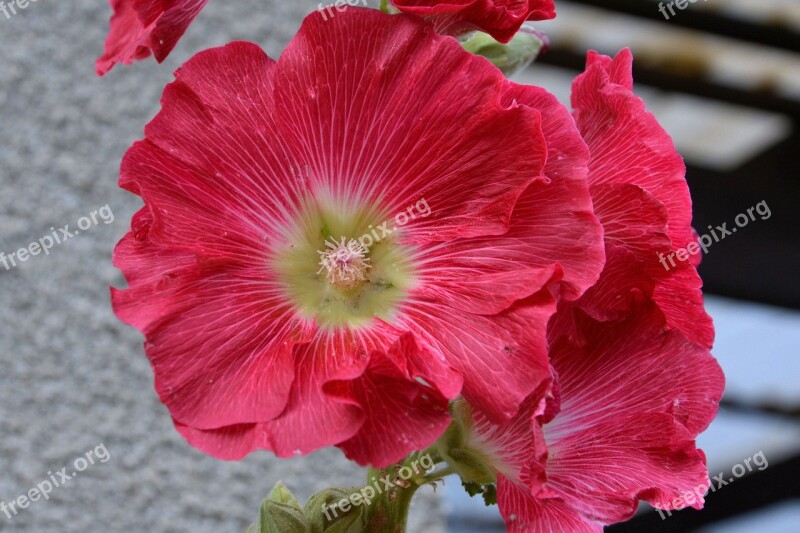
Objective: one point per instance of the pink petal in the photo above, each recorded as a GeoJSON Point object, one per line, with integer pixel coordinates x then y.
{"type": "Point", "coordinates": [141, 27]}
{"type": "Point", "coordinates": [627, 144]}
{"type": "Point", "coordinates": [499, 18]}
{"type": "Point", "coordinates": [503, 358]}
{"type": "Point", "coordinates": [524, 513]}
{"type": "Point", "coordinates": [639, 188]}
{"type": "Point", "coordinates": [402, 413]}
{"type": "Point", "coordinates": [402, 114]}
{"type": "Point", "coordinates": [214, 334]}
{"type": "Point", "coordinates": [312, 419]}
{"type": "Point", "coordinates": [634, 396]}
{"type": "Point", "coordinates": [604, 470]}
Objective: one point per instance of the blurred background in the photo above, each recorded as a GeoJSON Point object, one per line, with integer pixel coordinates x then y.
{"type": "Point", "coordinates": [723, 76]}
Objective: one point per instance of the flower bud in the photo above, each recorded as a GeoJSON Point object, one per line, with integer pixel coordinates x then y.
{"type": "Point", "coordinates": [280, 513]}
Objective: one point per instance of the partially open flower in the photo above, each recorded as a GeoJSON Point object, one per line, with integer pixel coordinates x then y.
{"type": "Point", "coordinates": [618, 426]}
{"type": "Point", "coordinates": [499, 18]}
{"type": "Point", "coordinates": [335, 244]}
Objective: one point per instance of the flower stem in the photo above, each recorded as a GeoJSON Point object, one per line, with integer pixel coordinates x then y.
{"type": "Point", "coordinates": [389, 511]}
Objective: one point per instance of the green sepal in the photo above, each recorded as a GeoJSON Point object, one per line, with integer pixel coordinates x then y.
{"type": "Point", "coordinates": [280, 512]}
{"type": "Point", "coordinates": [512, 57]}
{"type": "Point", "coordinates": [473, 489]}
{"type": "Point", "coordinates": [490, 495]}
{"type": "Point", "coordinates": [335, 520]}
{"type": "Point", "coordinates": [454, 447]}
{"type": "Point", "coordinates": [281, 494]}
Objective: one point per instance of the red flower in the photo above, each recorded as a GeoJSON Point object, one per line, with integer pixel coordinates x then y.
{"type": "Point", "coordinates": [633, 381]}
{"type": "Point", "coordinates": [499, 18]}
{"type": "Point", "coordinates": [142, 27]}
{"type": "Point", "coordinates": [638, 186]}
{"type": "Point", "coordinates": [618, 426]}
{"type": "Point", "coordinates": [280, 312]}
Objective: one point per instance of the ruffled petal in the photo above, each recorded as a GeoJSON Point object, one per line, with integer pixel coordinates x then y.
{"type": "Point", "coordinates": [499, 18]}
{"type": "Point", "coordinates": [639, 190]}
{"type": "Point", "coordinates": [503, 358]}
{"type": "Point", "coordinates": [139, 28]}
{"type": "Point", "coordinates": [604, 470]}
{"type": "Point", "coordinates": [405, 409]}
{"type": "Point", "coordinates": [515, 448]}
{"type": "Point", "coordinates": [401, 114]}
{"type": "Point", "coordinates": [217, 338]}
{"type": "Point", "coordinates": [633, 398]}
{"type": "Point", "coordinates": [524, 513]}
{"type": "Point", "coordinates": [634, 366]}
{"type": "Point", "coordinates": [627, 143]}
{"type": "Point", "coordinates": [312, 418]}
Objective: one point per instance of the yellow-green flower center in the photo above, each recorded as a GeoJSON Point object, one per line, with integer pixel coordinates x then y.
{"type": "Point", "coordinates": [345, 263]}
{"type": "Point", "coordinates": [339, 269]}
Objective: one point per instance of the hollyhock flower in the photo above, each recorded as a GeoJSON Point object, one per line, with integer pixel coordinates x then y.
{"type": "Point", "coordinates": [334, 244]}
{"type": "Point", "coordinates": [638, 186]}
{"type": "Point", "coordinates": [499, 18]}
{"type": "Point", "coordinates": [632, 386]}
{"type": "Point", "coordinates": [143, 27]}
{"type": "Point", "coordinates": [617, 426]}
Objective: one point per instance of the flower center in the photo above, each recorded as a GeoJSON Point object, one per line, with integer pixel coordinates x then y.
{"type": "Point", "coordinates": [346, 263]}
{"type": "Point", "coordinates": [337, 270]}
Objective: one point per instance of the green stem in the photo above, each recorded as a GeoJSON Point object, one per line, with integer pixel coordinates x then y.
{"type": "Point", "coordinates": [389, 511]}
{"type": "Point", "coordinates": [440, 474]}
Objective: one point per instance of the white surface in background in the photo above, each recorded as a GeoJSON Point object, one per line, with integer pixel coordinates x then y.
{"type": "Point", "coordinates": [787, 12]}
{"type": "Point", "coordinates": [782, 518]}
{"type": "Point", "coordinates": [727, 61]}
{"type": "Point", "coordinates": [758, 346]}
{"type": "Point", "coordinates": [734, 437]}
{"type": "Point", "coordinates": [707, 133]}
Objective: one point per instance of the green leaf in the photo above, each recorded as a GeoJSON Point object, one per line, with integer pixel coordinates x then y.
{"type": "Point", "coordinates": [473, 489]}
{"type": "Point", "coordinates": [490, 495]}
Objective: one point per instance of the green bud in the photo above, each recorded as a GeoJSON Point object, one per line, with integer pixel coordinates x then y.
{"type": "Point", "coordinates": [333, 511]}
{"type": "Point", "coordinates": [512, 57]}
{"type": "Point", "coordinates": [281, 494]}
{"type": "Point", "coordinates": [280, 513]}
